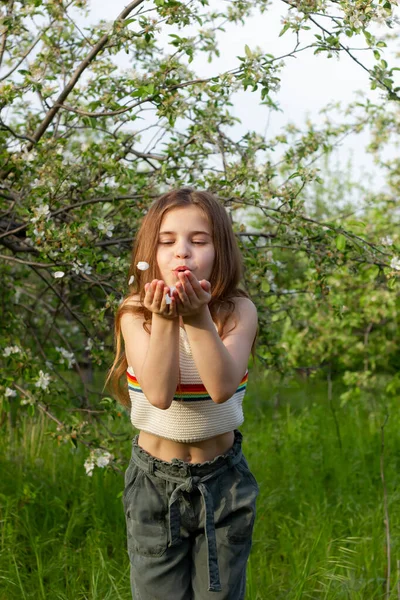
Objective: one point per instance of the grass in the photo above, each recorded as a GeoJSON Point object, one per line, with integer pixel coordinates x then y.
{"type": "Point", "coordinates": [319, 533]}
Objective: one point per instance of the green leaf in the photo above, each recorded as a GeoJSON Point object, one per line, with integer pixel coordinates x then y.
{"type": "Point", "coordinates": [391, 283]}
{"type": "Point", "coordinates": [355, 224]}
{"type": "Point", "coordinates": [248, 51]}
{"type": "Point", "coordinates": [285, 28]}
{"type": "Point", "coordinates": [373, 272]}
{"type": "Point", "coordinates": [128, 21]}
{"type": "Point", "coordinates": [340, 242]}
{"type": "Point", "coordinates": [265, 286]}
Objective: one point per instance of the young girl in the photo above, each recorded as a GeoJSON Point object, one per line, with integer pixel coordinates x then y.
{"type": "Point", "coordinates": [189, 496]}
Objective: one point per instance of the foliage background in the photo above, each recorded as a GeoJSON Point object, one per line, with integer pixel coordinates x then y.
{"type": "Point", "coordinates": [73, 188]}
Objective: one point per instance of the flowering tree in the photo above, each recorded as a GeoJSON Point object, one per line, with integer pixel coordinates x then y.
{"type": "Point", "coordinates": [74, 185]}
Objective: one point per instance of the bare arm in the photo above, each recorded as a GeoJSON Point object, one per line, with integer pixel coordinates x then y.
{"type": "Point", "coordinates": [154, 357]}
{"type": "Point", "coordinates": [222, 364]}
{"type": "Point", "coordinates": [160, 371]}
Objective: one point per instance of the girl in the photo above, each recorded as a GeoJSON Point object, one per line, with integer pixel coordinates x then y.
{"type": "Point", "coordinates": [189, 497]}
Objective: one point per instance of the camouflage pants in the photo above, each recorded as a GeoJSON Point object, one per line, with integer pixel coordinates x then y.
{"type": "Point", "coordinates": [189, 526]}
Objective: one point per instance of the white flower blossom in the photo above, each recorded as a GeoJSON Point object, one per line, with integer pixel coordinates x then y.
{"type": "Point", "coordinates": [104, 459]}
{"type": "Point", "coordinates": [66, 355]}
{"type": "Point", "coordinates": [79, 268]}
{"type": "Point", "coordinates": [11, 350]}
{"type": "Point", "coordinates": [58, 274]}
{"type": "Point", "coordinates": [40, 211]}
{"type": "Point", "coordinates": [395, 263]}
{"type": "Point", "coordinates": [43, 381]}
{"type": "Point", "coordinates": [98, 457]}
{"type": "Point", "coordinates": [38, 234]}
{"type": "Point", "coordinates": [380, 16]}
{"type": "Point", "coordinates": [270, 276]}
{"type": "Point", "coordinates": [387, 241]}
{"type": "Point", "coordinates": [142, 265]}
{"type": "Point", "coordinates": [84, 146]}
{"type": "Point", "coordinates": [131, 280]}
{"type": "Point", "coordinates": [107, 228]}
{"type": "Point", "coordinates": [89, 344]}
{"type": "Point", "coordinates": [9, 392]}
{"type": "Point", "coordinates": [89, 466]}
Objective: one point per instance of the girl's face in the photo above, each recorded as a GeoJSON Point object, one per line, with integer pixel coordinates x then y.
{"type": "Point", "coordinates": [184, 244]}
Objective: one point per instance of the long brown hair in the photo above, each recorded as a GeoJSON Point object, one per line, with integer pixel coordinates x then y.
{"type": "Point", "coordinates": [225, 278]}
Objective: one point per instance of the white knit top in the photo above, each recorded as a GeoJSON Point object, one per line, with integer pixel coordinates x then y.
{"type": "Point", "coordinates": [193, 415]}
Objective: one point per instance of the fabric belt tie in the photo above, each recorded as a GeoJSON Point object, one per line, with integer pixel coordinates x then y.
{"type": "Point", "coordinates": [188, 485]}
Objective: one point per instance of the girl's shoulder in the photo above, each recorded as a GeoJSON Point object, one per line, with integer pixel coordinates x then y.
{"type": "Point", "coordinates": [241, 303]}
{"type": "Point", "coordinates": [244, 311]}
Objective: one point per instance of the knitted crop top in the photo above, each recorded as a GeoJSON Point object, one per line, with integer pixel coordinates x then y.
{"type": "Point", "coordinates": [193, 415]}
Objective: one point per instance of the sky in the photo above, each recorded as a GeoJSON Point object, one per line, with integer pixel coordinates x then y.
{"type": "Point", "coordinates": [308, 82]}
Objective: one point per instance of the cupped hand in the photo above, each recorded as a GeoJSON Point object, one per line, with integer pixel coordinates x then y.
{"type": "Point", "coordinates": [155, 299]}
{"type": "Point", "coordinates": [191, 295]}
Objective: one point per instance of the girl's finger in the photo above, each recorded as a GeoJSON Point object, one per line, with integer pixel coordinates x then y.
{"type": "Point", "coordinates": [159, 292]}
{"type": "Point", "coordinates": [181, 291]}
{"type": "Point", "coordinates": [192, 284]}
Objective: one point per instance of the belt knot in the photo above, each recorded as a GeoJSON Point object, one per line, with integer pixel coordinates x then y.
{"type": "Point", "coordinates": [191, 483]}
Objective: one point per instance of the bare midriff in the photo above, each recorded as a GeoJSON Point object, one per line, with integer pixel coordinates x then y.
{"type": "Point", "coordinates": [193, 452]}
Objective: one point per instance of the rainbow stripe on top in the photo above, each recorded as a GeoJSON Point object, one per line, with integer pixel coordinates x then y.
{"type": "Point", "coordinates": [185, 391]}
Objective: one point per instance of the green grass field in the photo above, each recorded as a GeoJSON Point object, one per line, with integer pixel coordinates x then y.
{"type": "Point", "coordinates": [320, 530]}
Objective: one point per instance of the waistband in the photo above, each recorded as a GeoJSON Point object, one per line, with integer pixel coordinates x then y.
{"type": "Point", "coordinates": [190, 476]}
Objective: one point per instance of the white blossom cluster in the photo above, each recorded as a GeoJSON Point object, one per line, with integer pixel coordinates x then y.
{"type": "Point", "coordinates": [43, 381]}
{"type": "Point", "coordinates": [395, 263]}
{"type": "Point", "coordinates": [40, 211]}
{"type": "Point", "coordinates": [106, 227]}
{"type": "Point", "coordinates": [387, 241]}
{"type": "Point", "coordinates": [78, 267]}
{"type": "Point", "coordinates": [89, 344]}
{"type": "Point", "coordinates": [379, 14]}
{"type": "Point", "coordinates": [98, 457]}
{"type": "Point", "coordinates": [69, 356]}
{"type": "Point", "coordinates": [39, 235]}
{"type": "Point", "coordinates": [9, 392]}
{"type": "Point", "coordinates": [11, 350]}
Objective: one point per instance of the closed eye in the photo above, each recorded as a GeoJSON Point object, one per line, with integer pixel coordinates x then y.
{"type": "Point", "coordinates": [200, 243]}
